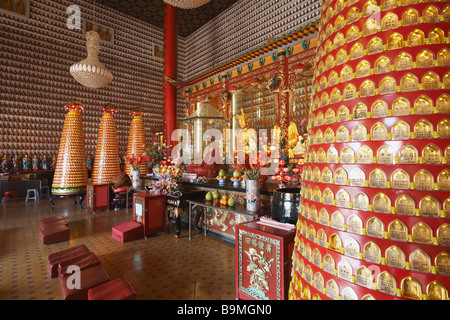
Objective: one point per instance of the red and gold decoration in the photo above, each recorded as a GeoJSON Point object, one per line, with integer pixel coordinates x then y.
{"type": "Point", "coordinates": [106, 161]}
{"type": "Point", "coordinates": [71, 176]}
{"type": "Point", "coordinates": [374, 214]}
{"type": "Point", "coordinates": [136, 141]}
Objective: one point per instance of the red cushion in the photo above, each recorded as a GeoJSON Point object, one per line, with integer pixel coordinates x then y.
{"type": "Point", "coordinates": [89, 278]}
{"type": "Point", "coordinates": [128, 231]}
{"type": "Point", "coordinates": [51, 220]}
{"type": "Point", "coordinates": [116, 289]}
{"type": "Point", "coordinates": [120, 189]}
{"type": "Point", "coordinates": [51, 224]}
{"type": "Point", "coordinates": [82, 262]}
{"type": "Point", "coordinates": [55, 258]}
{"type": "Point", "coordinates": [54, 233]}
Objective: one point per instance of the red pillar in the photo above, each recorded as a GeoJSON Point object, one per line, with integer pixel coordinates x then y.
{"type": "Point", "coordinates": [170, 71]}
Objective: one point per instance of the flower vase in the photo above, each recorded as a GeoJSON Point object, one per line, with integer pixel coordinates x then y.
{"type": "Point", "coordinates": [136, 179]}
{"type": "Point", "coordinates": [252, 193]}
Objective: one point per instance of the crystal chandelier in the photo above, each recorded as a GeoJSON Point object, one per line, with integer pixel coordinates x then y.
{"type": "Point", "coordinates": [187, 4]}
{"type": "Point", "coordinates": [90, 72]}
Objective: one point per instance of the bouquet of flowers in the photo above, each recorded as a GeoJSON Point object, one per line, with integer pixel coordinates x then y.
{"type": "Point", "coordinates": [136, 161]}
{"type": "Point", "coordinates": [156, 153]}
{"type": "Point", "coordinates": [165, 186]}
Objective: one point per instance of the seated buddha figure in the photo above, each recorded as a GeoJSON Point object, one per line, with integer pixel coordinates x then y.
{"type": "Point", "coordinates": [246, 136]}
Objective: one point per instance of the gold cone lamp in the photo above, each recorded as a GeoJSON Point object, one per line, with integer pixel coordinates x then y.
{"type": "Point", "coordinates": [90, 72]}
{"type": "Point", "coordinates": [374, 212]}
{"type": "Point", "coordinates": [136, 141]}
{"type": "Point", "coordinates": [106, 161]}
{"type": "Point", "coordinates": [71, 176]}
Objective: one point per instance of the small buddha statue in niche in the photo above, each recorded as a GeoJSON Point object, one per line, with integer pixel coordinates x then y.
{"type": "Point", "coordinates": [247, 134]}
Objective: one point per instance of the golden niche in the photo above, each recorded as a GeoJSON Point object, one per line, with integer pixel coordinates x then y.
{"type": "Point", "coordinates": [411, 288]}
{"type": "Point", "coordinates": [401, 107]}
{"type": "Point", "coordinates": [377, 179]}
{"type": "Point", "coordinates": [409, 83]}
{"type": "Point", "coordinates": [349, 294]}
{"type": "Point", "coordinates": [446, 13]}
{"type": "Point", "coordinates": [342, 199]}
{"type": "Point", "coordinates": [317, 194]}
{"type": "Point", "coordinates": [341, 56]}
{"type": "Point", "coordinates": [386, 283]}
{"type": "Point", "coordinates": [343, 114]}
{"type": "Point", "coordinates": [379, 109]}
{"type": "Point", "coordinates": [382, 65]}
{"type": "Point", "coordinates": [372, 252]}
{"type": "Point", "coordinates": [316, 174]}
{"type": "Point", "coordinates": [328, 263]}
{"type": "Point", "coordinates": [349, 92]}
{"type": "Point", "coordinates": [330, 116]}
{"type": "Point", "coordinates": [379, 131]}
{"type": "Point", "coordinates": [405, 205]}
{"type": "Point", "coordinates": [422, 233]}
{"type": "Point", "coordinates": [324, 101]}
{"type": "Point", "coordinates": [423, 180]}
{"type": "Point", "coordinates": [430, 81]}
{"type": "Point", "coordinates": [395, 257]}
{"type": "Point", "coordinates": [353, 14]}
{"type": "Point", "coordinates": [398, 231]}
{"type": "Point", "coordinates": [363, 69]}
{"type": "Point", "coordinates": [388, 85]}
{"type": "Point", "coordinates": [388, 4]}
{"type": "Point", "coordinates": [443, 103]}
{"type": "Point", "coordinates": [361, 201]}
{"type": "Point", "coordinates": [375, 227]}
{"type": "Point", "coordinates": [443, 235]}
{"type": "Point", "coordinates": [444, 58]}
{"type": "Point", "coordinates": [346, 74]}
{"type": "Point", "coordinates": [364, 155]}
{"type": "Point", "coordinates": [443, 129]}
{"type": "Point", "coordinates": [431, 154]}
{"type": "Point", "coordinates": [444, 180]}
{"type": "Point", "coordinates": [359, 133]}
{"type": "Point", "coordinates": [370, 27]}
{"type": "Point", "coordinates": [333, 79]}
{"type": "Point", "coordinates": [410, 17]}
{"type": "Point", "coordinates": [364, 277]}
{"type": "Point", "coordinates": [335, 95]}
{"type": "Point", "coordinates": [324, 217]}
{"type": "Point", "coordinates": [429, 207]}
{"type": "Point", "coordinates": [423, 105]}
{"type": "Point", "coordinates": [337, 220]}
{"type": "Point", "coordinates": [389, 21]}
{"type": "Point", "coordinates": [370, 7]}
{"type": "Point", "coordinates": [375, 45]}
{"type": "Point", "coordinates": [335, 243]}
{"type": "Point", "coordinates": [355, 224]}
{"type": "Point", "coordinates": [356, 51]}
{"type": "Point", "coordinates": [329, 62]}
{"type": "Point", "coordinates": [416, 38]}
{"type": "Point", "coordinates": [395, 41]}
{"type": "Point", "coordinates": [367, 88]}
{"type": "Point", "coordinates": [423, 129]}
{"type": "Point", "coordinates": [430, 14]}
{"type": "Point", "coordinates": [319, 119]}
{"type": "Point", "coordinates": [425, 59]}
{"type": "Point", "coordinates": [338, 40]}
{"type": "Point", "coordinates": [339, 22]}
{"type": "Point", "coordinates": [400, 131]}
{"type": "Point", "coordinates": [436, 291]}
{"type": "Point", "coordinates": [382, 203]}
{"type": "Point", "coordinates": [332, 155]}
{"type": "Point", "coordinates": [332, 289]}
{"type": "Point", "coordinates": [420, 261]}
{"type": "Point", "coordinates": [408, 155]}
{"type": "Point", "coordinates": [385, 155]}
{"type": "Point", "coordinates": [360, 111]}
{"type": "Point", "coordinates": [403, 61]}
{"type": "Point", "coordinates": [340, 177]}
{"type": "Point", "coordinates": [436, 36]}
{"type": "Point", "coordinates": [442, 262]}
{"type": "Point", "coordinates": [400, 179]}
{"type": "Point", "coordinates": [328, 196]}
{"type": "Point", "coordinates": [347, 155]}
{"type": "Point", "coordinates": [357, 177]}
{"type": "Point", "coordinates": [327, 175]}
{"type": "Point", "coordinates": [345, 270]}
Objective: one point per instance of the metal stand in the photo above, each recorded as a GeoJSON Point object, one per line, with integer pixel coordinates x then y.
{"type": "Point", "coordinates": [75, 196]}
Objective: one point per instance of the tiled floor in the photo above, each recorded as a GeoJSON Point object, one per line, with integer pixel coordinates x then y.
{"type": "Point", "coordinates": [160, 267]}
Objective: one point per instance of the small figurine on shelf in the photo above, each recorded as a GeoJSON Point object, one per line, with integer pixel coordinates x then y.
{"type": "Point", "coordinates": [44, 162]}
{"type": "Point", "coordinates": [53, 165]}
{"type": "Point", "coordinates": [89, 162]}
{"type": "Point", "coordinates": [35, 162]}
{"type": "Point", "coordinates": [26, 163]}
{"type": "Point", "coordinates": [5, 163]}
{"type": "Point", "coordinates": [16, 162]}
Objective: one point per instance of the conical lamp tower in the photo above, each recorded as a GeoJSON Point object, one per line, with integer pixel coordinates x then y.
{"type": "Point", "coordinates": [106, 162]}
{"type": "Point", "coordinates": [136, 140]}
{"type": "Point", "coordinates": [375, 203]}
{"type": "Point", "coordinates": [71, 176]}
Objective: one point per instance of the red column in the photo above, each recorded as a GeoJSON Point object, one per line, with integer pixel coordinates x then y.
{"type": "Point", "coordinates": [170, 71]}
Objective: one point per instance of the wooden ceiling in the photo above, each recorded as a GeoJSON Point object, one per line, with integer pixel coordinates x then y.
{"type": "Point", "coordinates": [152, 11]}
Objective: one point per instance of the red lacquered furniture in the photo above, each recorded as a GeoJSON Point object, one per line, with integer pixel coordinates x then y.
{"type": "Point", "coordinates": [150, 211]}
{"type": "Point", "coordinates": [115, 289]}
{"type": "Point", "coordinates": [263, 261]}
{"type": "Point", "coordinates": [97, 197]}
{"type": "Point", "coordinates": [12, 193]}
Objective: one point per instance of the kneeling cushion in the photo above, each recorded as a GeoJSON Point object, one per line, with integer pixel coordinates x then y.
{"type": "Point", "coordinates": [55, 258]}
{"type": "Point", "coordinates": [48, 221]}
{"type": "Point", "coordinates": [82, 262]}
{"type": "Point", "coordinates": [54, 233]}
{"type": "Point", "coordinates": [116, 289]}
{"type": "Point", "coordinates": [88, 278]}
{"type": "Point", "coordinates": [128, 231]}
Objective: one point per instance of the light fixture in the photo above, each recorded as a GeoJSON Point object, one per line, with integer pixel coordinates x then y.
{"type": "Point", "coordinates": [187, 4]}
{"type": "Point", "coordinates": [90, 72]}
